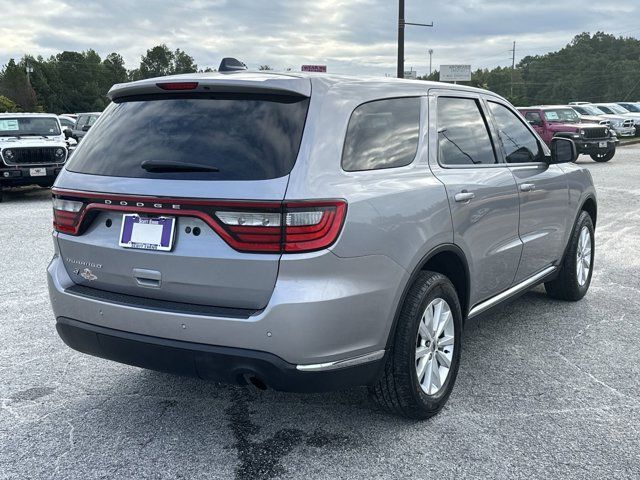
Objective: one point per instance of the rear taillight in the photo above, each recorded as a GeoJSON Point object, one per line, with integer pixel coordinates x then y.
{"type": "Point", "coordinates": [311, 226]}
{"type": "Point", "coordinates": [67, 215]}
{"type": "Point", "coordinates": [255, 227]}
{"type": "Point", "coordinates": [297, 227]}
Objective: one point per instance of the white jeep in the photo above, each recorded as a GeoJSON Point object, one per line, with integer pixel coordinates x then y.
{"type": "Point", "coordinates": [33, 149]}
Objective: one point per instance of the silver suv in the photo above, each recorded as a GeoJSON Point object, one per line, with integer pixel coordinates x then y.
{"type": "Point", "coordinates": [310, 232]}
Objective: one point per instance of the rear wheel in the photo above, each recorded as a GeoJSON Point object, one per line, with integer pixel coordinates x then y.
{"type": "Point", "coordinates": [422, 364]}
{"type": "Point", "coordinates": [603, 157]}
{"type": "Point", "coordinates": [574, 277]}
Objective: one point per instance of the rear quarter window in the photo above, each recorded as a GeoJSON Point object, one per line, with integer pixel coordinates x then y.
{"type": "Point", "coordinates": [382, 134]}
{"type": "Point", "coordinates": [242, 136]}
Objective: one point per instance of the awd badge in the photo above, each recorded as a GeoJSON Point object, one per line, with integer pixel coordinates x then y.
{"type": "Point", "coordinates": [86, 274]}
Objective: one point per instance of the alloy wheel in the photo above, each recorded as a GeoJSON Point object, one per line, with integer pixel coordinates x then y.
{"type": "Point", "coordinates": [583, 254]}
{"type": "Point", "coordinates": [434, 346]}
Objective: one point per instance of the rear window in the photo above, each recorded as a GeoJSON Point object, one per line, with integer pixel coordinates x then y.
{"type": "Point", "coordinates": [231, 136]}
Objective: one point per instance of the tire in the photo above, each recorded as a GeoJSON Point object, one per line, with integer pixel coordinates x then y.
{"type": "Point", "coordinates": [398, 390]}
{"type": "Point", "coordinates": [603, 157]}
{"type": "Point", "coordinates": [572, 284]}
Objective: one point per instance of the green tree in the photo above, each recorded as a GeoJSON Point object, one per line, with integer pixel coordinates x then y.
{"type": "Point", "coordinates": [157, 62]}
{"type": "Point", "coordinates": [114, 70]}
{"type": "Point", "coordinates": [7, 105]}
{"type": "Point", "coordinates": [15, 85]}
{"type": "Point", "coordinates": [183, 63]}
{"type": "Point", "coordinates": [160, 61]}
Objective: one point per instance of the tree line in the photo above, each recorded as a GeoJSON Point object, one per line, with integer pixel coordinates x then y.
{"type": "Point", "coordinates": [78, 81]}
{"type": "Point", "coordinates": [599, 67]}
{"type": "Point", "coordinates": [591, 68]}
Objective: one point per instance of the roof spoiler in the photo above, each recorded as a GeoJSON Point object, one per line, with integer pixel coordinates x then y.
{"type": "Point", "coordinates": [230, 64]}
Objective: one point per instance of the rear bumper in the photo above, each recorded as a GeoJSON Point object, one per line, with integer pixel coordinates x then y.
{"type": "Point", "coordinates": [17, 176]}
{"type": "Point", "coordinates": [224, 364]}
{"type": "Point", "coordinates": [325, 311]}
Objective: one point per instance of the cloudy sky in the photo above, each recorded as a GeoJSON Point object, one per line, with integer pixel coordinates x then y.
{"type": "Point", "coordinates": [350, 36]}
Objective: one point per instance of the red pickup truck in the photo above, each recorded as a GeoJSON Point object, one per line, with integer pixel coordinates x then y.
{"type": "Point", "coordinates": [592, 139]}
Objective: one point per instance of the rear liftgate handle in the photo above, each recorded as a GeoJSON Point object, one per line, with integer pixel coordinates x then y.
{"type": "Point", "coordinates": [147, 278]}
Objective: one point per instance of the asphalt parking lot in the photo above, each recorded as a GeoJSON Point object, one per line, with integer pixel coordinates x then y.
{"type": "Point", "coordinates": [546, 389]}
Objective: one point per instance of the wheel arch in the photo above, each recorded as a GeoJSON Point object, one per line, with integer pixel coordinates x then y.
{"type": "Point", "coordinates": [449, 260]}
{"type": "Point", "coordinates": [590, 206]}
{"type": "Point", "coordinates": [568, 135]}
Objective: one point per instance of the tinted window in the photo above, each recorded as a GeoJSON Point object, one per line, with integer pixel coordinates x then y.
{"type": "Point", "coordinates": [245, 137]}
{"type": "Point", "coordinates": [520, 145]}
{"type": "Point", "coordinates": [82, 121]}
{"type": "Point", "coordinates": [382, 134]}
{"type": "Point", "coordinates": [463, 138]}
{"type": "Point", "coordinates": [631, 107]}
{"type": "Point", "coordinates": [533, 117]}
{"type": "Point", "coordinates": [606, 109]}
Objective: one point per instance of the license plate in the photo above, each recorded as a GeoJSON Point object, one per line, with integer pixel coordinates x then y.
{"type": "Point", "coordinates": [147, 233]}
{"type": "Point", "coordinates": [603, 145]}
{"type": "Point", "coordinates": [38, 172]}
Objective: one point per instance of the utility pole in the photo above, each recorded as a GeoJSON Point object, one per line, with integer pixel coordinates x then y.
{"type": "Point", "coordinates": [29, 70]}
{"type": "Point", "coordinates": [513, 67]}
{"type": "Point", "coordinates": [401, 25]}
{"type": "Point", "coordinates": [430, 58]}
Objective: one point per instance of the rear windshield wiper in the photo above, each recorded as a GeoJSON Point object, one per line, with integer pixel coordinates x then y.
{"type": "Point", "coordinates": [169, 166]}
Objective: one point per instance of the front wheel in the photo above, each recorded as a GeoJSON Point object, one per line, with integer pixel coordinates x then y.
{"type": "Point", "coordinates": [603, 157]}
{"type": "Point", "coordinates": [422, 364]}
{"type": "Point", "coordinates": [574, 277]}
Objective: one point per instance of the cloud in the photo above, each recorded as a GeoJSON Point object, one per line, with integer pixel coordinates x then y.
{"type": "Point", "coordinates": [350, 36]}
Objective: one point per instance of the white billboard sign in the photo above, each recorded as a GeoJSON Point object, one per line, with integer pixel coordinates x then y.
{"type": "Point", "coordinates": [455, 73]}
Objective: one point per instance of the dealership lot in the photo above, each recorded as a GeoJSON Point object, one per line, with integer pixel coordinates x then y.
{"type": "Point", "coordinates": [546, 389]}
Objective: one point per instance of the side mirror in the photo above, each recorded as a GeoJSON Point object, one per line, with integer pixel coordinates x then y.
{"type": "Point", "coordinates": [67, 133]}
{"type": "Point", "coordinates": [563, 150]}
{"type": "Point", "coordinates": [86, 128]}
{"type": "Point", "coordinates": [535, 123]}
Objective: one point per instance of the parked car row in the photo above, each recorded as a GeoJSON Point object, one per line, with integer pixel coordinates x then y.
{"type": "Point", "coordinates": [593, 127]}
{"type": "Point", "coordinates": [625, 122]}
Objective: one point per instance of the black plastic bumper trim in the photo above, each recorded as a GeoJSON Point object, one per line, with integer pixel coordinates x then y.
{"type": "Point", "coordinates": [209, 362]}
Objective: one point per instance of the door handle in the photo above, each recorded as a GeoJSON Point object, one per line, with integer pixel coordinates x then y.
{"type": "Point", "coordinates": [464, 196]}
{"type": "Point", "coordinates": [527, 187]}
